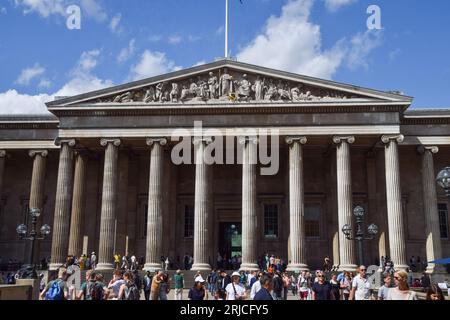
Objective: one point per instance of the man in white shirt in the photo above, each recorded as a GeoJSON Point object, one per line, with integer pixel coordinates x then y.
{"type": "Point", "coordinates": [235, 290]}
{"type": "Point", "coordinates": [360, 286]}
{"type": "Point", "coordinates": [255, 287]}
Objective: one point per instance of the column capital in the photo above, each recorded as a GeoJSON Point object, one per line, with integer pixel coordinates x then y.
{"type": "Point", "coordinates": [33, 153]}
{"type": "Point", "coordinates": [422, 149]}
{"type": "Point", "coordinates": [292, 139]}
{"type": "Point", "coordinates": [2, 153]}
{"type": "Point", "coordinates": [70, 142]}
{"type": "Point", "coordinates": [161, 141]}
{"type": "Point", "coordinates": [104, 142]}
{"type": "Point", "coordinates": [244, 139]}
{"type": "Point", "coordinates": [206, 140]}
{"type": "Point", "coordinates": [340, 139]}
{"type": "Point", "coordinates": [388, 138]}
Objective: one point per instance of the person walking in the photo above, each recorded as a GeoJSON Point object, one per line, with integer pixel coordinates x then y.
{"type": "Point", "coordinates": [266, 287]}
{"type": "Point", "coordinates": [156, 281]}
{"type": "Point", "coordinates": [277, 286]}
{"type": "Point", "coordinates": [346, 285]}
{"type": "Point", "coordinates": [56, 289]}
{"type": "Point", "coordinates": [179, 285]}
{"type": "Point", "coordinates": [286, 285]}
{"type": "Point", "coordinates": [235, 290]}
{"type": "Point", "coordinates": [198, 291]}
{"type": "Point", "coordinates": [303, 286]}
{"type": "Point", "coordinates": [401, 291]}
{"type": "Point", "coordinates": [147, 285]}
{"type": "Point", "coordinates": [164, 287]}
{"type": "Point", "coordinates": [383, 291]}
{"type": "Point", "coordinates": [435, 293]}
{"type": "Point", "coordinates": [256, 286]}
{"type": "Point", "coordinates": [321, 289]}
{"type": "Point", "coordinates": [360, 286]}
{"type": "Point", "coordinates": [115, 284]}
{"type": "Point", "coordinates": [335, 288]}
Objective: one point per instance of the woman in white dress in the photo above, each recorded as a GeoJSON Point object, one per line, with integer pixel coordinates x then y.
{"type": "Point", "coordinates": [401, 290]}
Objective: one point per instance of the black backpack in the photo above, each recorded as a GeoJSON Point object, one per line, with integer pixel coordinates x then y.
{"type": "Point", "coordinates": [131, 292]}
{"type": "Point", "coordinates": [95, 291]}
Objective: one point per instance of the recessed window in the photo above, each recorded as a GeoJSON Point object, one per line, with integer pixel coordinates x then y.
{"type": "Point", "coordinates": [443, 220]}
{"type": "Point", "coordinates": [312, 220]}
{"type": "Point", "coordinates": [271, 220]}
{"type": "Point", "coordinates": [188, 221]}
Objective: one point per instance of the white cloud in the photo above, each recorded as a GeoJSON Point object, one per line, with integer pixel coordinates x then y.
{"type": "Point", "coordinates": [291, 42]}
{"type": "Point", "coordinates": [152, 64]}
{"type": "Point", "coordinates": [200, 63]}
{"type": "Point", "coordinates": [29, 74]}
{"type": "Point", "coordinates": [114, 25]}
{"type": "Point", "coordinates": [394, 54]}
{"type": "Point", "coordinates": [361, 46]}
{"type": "Point", "coordinates": [94, 10]}
{"type": "Point", "coordinates": [44, 83]}
{"type": "Point", "coordinates": [81, 80]}
{"type": "Point", "coordinates": [154, 38]}
{"type": "Point", "coordinates": [192, 38]}
{"type": "Point", "coordinates": [3, 10]}
{"type": "Point", "coordinates": [44, 8]}
{"type": "Point", "coordinates": [12, 102]}
{"type": "Point", "coordinates": [127, 52]}
{"type": "Point", "coordinates": [334, 5]}
{"type": "Point", "coordinates": [220, 30]}
{"type": "Point", "coordinates": [175, 39]}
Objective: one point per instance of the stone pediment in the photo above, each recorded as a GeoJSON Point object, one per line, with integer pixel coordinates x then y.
{"type": "Point", "coordinates": [229, 82]}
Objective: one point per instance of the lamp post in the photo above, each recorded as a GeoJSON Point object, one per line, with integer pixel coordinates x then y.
{"type": "Point", "coordinates": [360, 236]}
{"type": "Point", "coordinates": [22, 230]}
{"type": "Point", "coordinates": [443, 180]}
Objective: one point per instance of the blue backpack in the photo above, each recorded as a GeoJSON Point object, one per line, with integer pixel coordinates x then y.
{"type": "Point", "coordinates": [55, 292]}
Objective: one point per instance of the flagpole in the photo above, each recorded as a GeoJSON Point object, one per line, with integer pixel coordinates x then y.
{"type": "Point", "coordinates": [226, 29]}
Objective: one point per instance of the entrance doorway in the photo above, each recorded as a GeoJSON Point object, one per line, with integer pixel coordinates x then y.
{"type": "Point", "coordinates": [230, 241]}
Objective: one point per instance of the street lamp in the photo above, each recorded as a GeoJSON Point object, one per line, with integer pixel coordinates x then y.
{"type": "Point", "coordinates": [372, 230]}
{"type": "Point", "coordinates": [22, 231]}
{"type": "Point", "coordinates": [443, 179]}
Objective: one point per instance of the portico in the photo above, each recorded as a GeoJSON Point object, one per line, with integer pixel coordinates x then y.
{"type": "Point", "coordinates": [124, 182]}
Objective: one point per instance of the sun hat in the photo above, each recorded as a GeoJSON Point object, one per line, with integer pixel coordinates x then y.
{"type": "Point", "coordinates": [199, 279]}
{"type": "Point", "coordinates": [235, 274]}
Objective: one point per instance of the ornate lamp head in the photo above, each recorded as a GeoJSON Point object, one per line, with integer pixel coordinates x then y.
{"type": "Point", "coordinates": [358, 211]}
{"type": "Point", "coordinates": [347, 230]}
{"type": "Point", "coordinates": [443, 178]}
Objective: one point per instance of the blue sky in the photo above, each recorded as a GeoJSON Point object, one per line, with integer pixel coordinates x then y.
{"type": "Point", "coordinates": [120, 41]}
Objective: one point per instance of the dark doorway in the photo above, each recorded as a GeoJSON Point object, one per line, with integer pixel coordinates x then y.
{"type": "Point", "coordinates": [230, 241]}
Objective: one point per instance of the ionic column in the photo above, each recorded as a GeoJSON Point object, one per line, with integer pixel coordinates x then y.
{"type": "Point", "coordinates": [77, 216]}
{"type": "Point", "coordinates": [430, 208]}
{"type": "Point", "coordinates": [109, 204]}
{"type": "Point", "coordinates": [155, 209]}
{"type": "Point", "coordinates": [38, 178]}
{"type": "Point", "coordinates": [61, 220]}
{"type": "Point", "coordinates": [202, 206]}
{"type": "Point", "coordinates": [249, 216]}
{"type": "Point", "coordinates": [394, 202]}
{"type": "Point", "coordinates": [345, 201]}
{"type": "Point", "coordinates": [296, 205]}
{"type": "Point", "coordinates": [2, 170]}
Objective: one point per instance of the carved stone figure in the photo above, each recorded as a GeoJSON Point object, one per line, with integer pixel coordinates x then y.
{"type": "Point", "coordinates": [213, 86]}
{"type": "Point", "coordinates": [283, 91]}
{"type": "Point", "coordinates": [185, 93]}
{"type": "Point", "coordinates": [244, 88]}
{"type": "Point", "coordinates": [226, 83]}
{"type": "Point", "coordinates": [174, 92]}
{"type": "Point", "coordinates": [193, 88]}
{"type": "Point", "coordinates": [149, 95]}
{"type": "Point", "coordinates": [161, 89]}
{"type": "Point", "coordinates": [258, 88]}
{"type": "Point", "coordinates": [272, 91]}
{"type": "Point", "coordinates": [125, 97]}
{"type": "Point", "coordinates": [202, 88]}
{"type": "Point", "coordinates": [295, 94]}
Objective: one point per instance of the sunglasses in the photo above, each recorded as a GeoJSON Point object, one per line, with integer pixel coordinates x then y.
{"type": "Point", "coordinates": [320, 276]}
{"type": "Point", "coordinates": [397, 278]}
{"type": "Point", "coordinates": [363, 270]}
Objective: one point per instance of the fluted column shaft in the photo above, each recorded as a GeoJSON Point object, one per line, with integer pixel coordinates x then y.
{"type": "Point", "coordinates": [77, 216]}
{"type": "Point", "coordinates": [430, 208]}
{"type": "Point", "coordinates": [249, 216]}
{"type": "Point", "coordinates": [296, 205]}
{"type": "Point", "coordinates": [155, 209]}
{"type": "Point", "coordinates": [109, 204]}
{"type": "Point", "coordinates": [394, 202]}
{"type": "Point", "coordinates": [202, 206]}
{"type": "Point", "coordinates": [38, 178]}
{"type": "Point", "coordinates": [345, 200]}
{"type": "Point", "coordinates": [61, 220]}
{"type": "Point", "coordinates": [2, 170]}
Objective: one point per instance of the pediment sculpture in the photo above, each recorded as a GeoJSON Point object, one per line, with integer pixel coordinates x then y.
{"type": "Point", "coordinates": [225, 85]}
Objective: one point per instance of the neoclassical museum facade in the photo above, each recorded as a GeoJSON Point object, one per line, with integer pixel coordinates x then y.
{"type": "Point", "coordinates": [102, 170]}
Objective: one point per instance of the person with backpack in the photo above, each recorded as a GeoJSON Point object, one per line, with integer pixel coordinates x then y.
{"type": "Point", "coordinates": [115, 284]}
{"type": "Point", "coordinates": [91, 289]}
{"type": "Point", "coordinates": [56, 289]}
{"type": "Point", "coordinates": [129, 290]}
